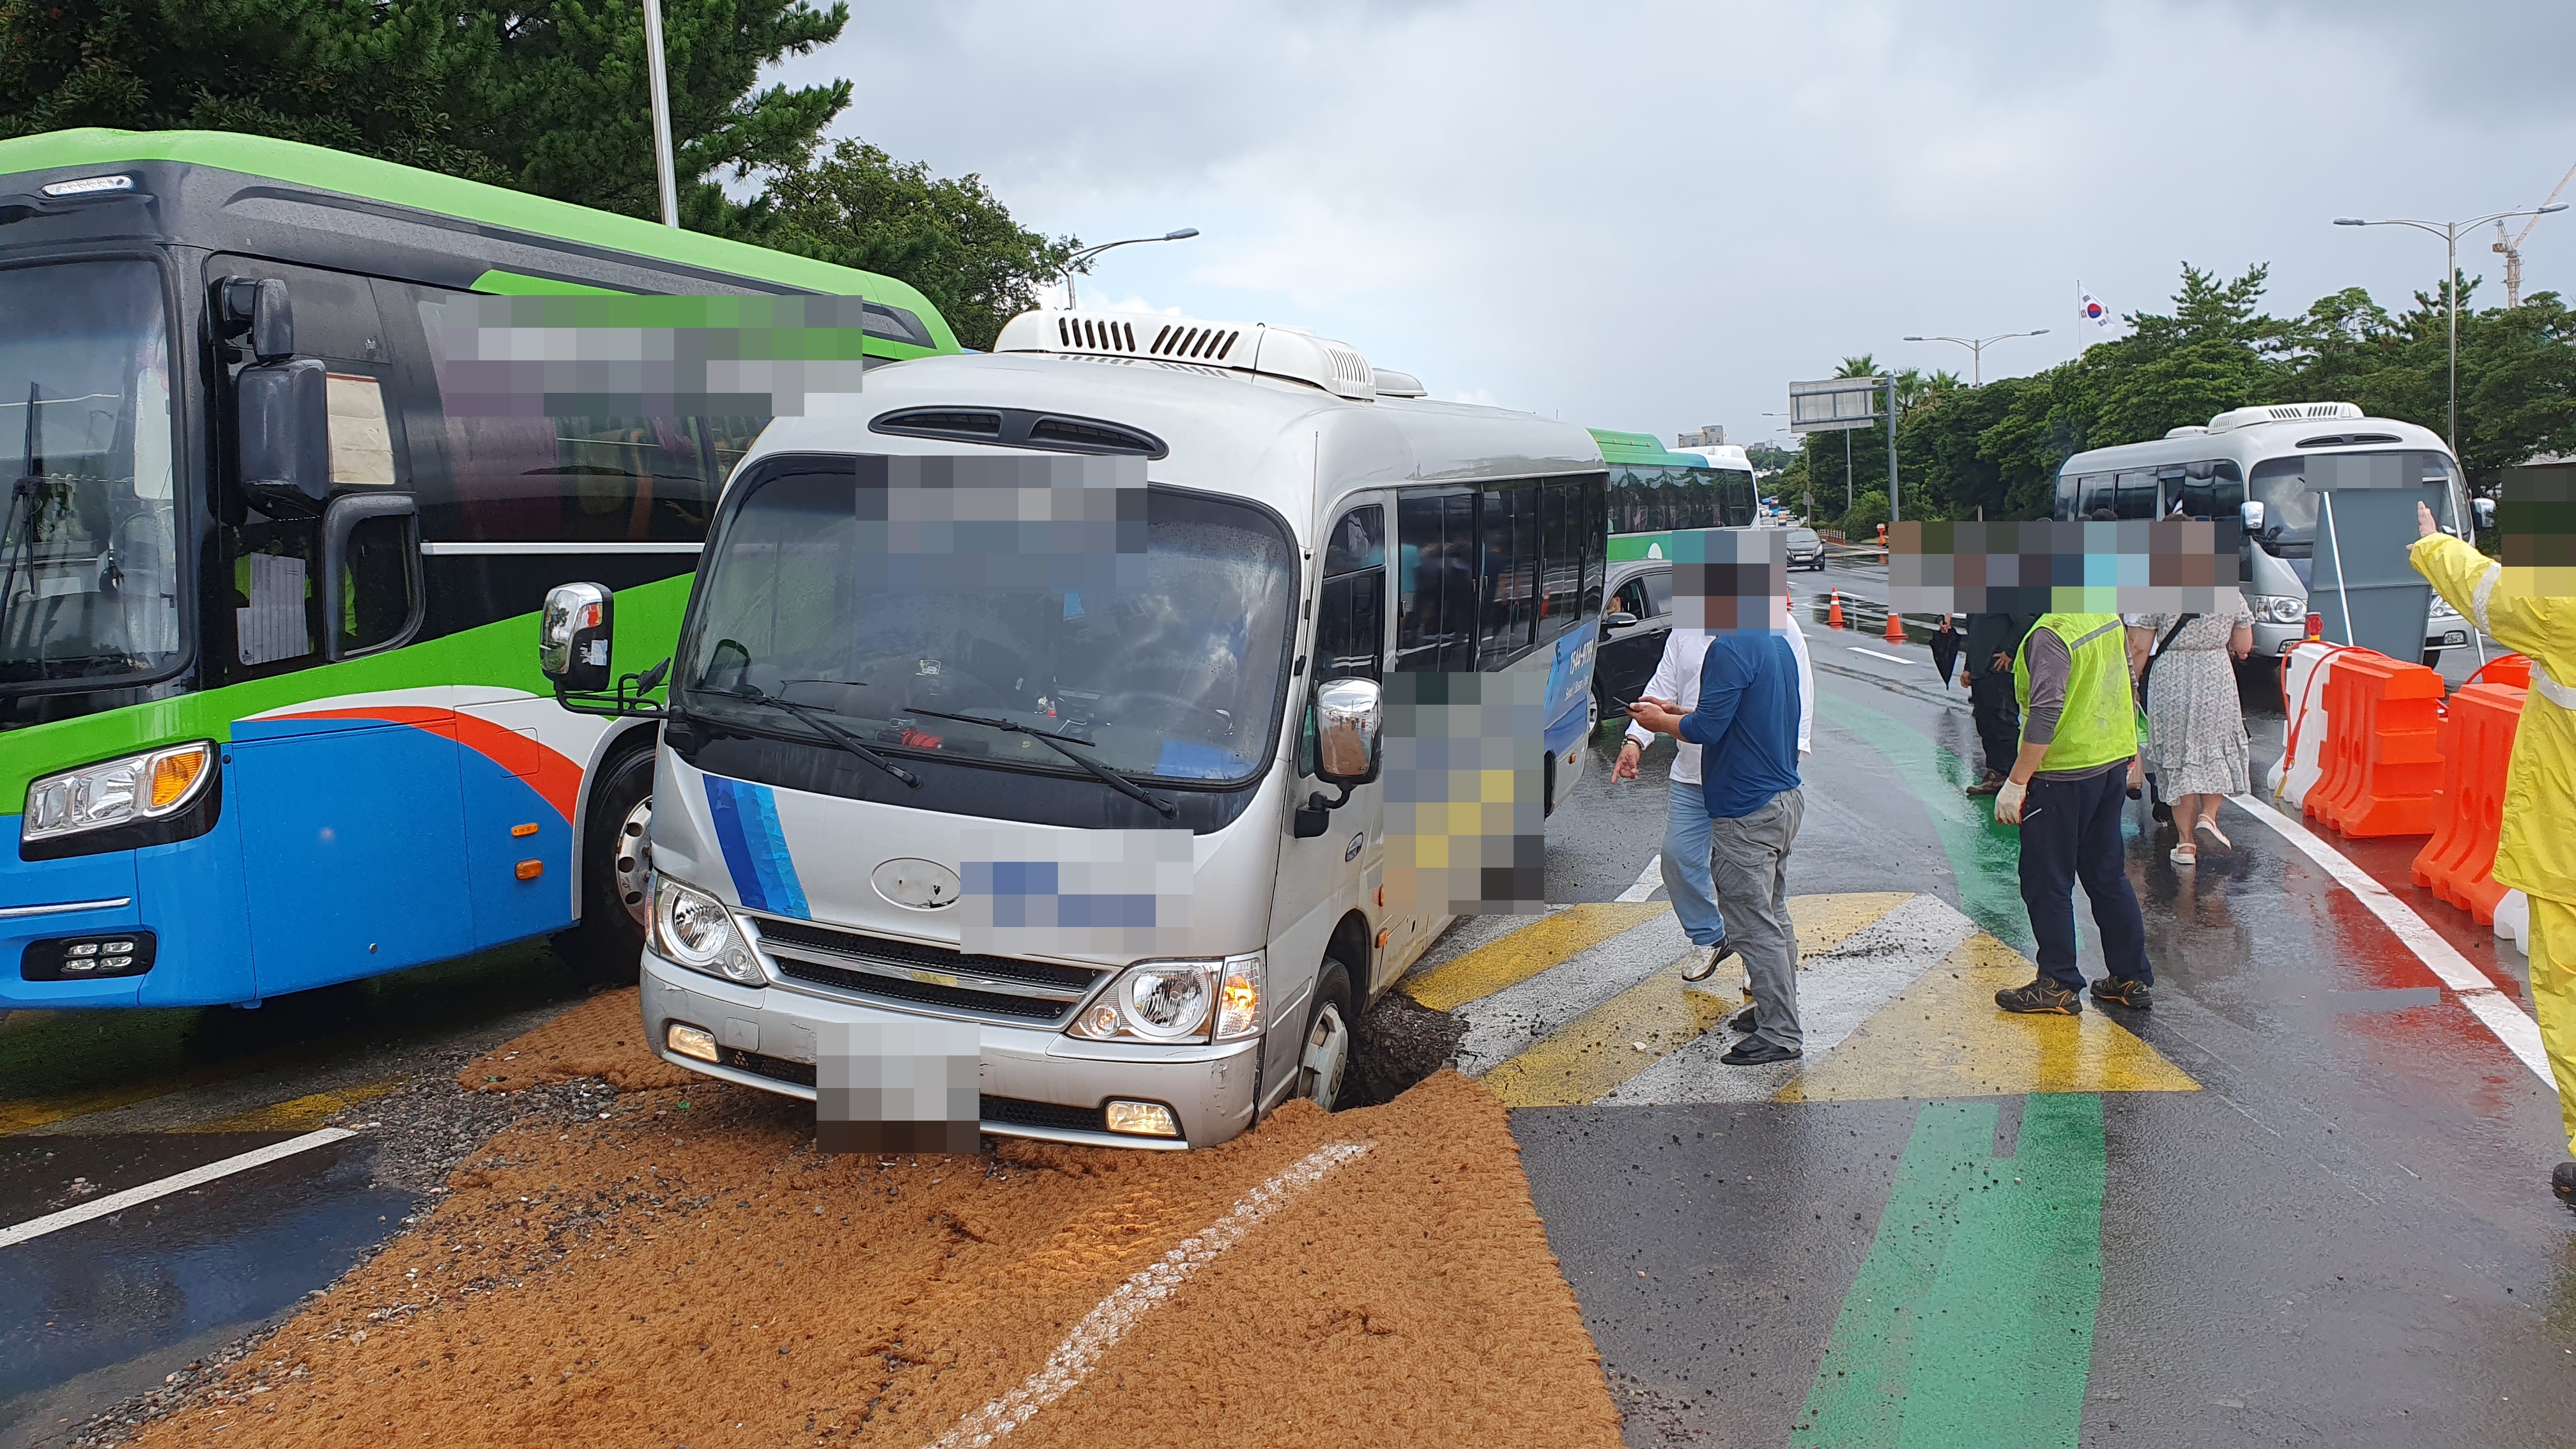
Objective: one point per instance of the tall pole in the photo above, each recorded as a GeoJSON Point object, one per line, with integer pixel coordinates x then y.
{"type": "Point", "coordinates": [2451, 296]}
{"type": "Point", "coordinates": [1892, 514]}
{"type": "Point", "coordinates": [1847, 486]}
{"type": "Point", "coordinates": [663, 170]}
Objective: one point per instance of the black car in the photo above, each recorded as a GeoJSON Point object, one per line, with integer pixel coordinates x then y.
{"type": "Point", "coordinates": [1806, 550]}
{"type": "Point", "coordinates": [1634, 625]}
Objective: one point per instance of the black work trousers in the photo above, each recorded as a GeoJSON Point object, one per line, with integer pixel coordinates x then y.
{"type": "Point", "coordinates": [1998, 716]}
{"type": "Point", "coordinates": [2070, 832]}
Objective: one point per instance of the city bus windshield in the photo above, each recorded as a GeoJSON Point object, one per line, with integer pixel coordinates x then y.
{"type": "Point", "coordinates": [88, 583]}
{"type": "Point", "coordinates": [1178, 679]}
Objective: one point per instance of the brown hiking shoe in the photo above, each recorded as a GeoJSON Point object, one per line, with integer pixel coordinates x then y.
{"type": "Point", "coordinates": [1991, 782]}
{"type": "Point", "coordinates": [2042, 997]}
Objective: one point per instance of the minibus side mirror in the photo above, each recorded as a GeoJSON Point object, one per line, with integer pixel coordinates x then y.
{"type": "Point", "coordinates": [2251, 510]}
{"type": "Point", "coordinates": [572, 637]}
{"type": "Point", "coordinates": [1348, 716]}
{"type": "Point", "coordinates": [2484, 509]}
{"type": "Point", "coordinates": [281, 425]}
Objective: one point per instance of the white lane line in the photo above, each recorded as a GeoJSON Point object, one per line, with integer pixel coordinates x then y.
{"type": "Point", "coordinates": [1874, 654]}
{"type": "Point", "coordinates": [117, 1202]}
{"type": "Point", "coordinates": [1101, 1328]}
{"type": "Point", "coordinates": [2502, 1014]}
{"type": "Point", "coordinates": [1649, 880]}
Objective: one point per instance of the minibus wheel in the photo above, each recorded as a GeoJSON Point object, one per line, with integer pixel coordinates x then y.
{"type": "Point", "coordinates": [616, 863]}
{"type": "Point", "coordinates": [1326, 1056]}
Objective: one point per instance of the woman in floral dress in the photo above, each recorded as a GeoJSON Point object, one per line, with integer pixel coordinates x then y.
{"type": "Point", "coordinates": [2196, 745]}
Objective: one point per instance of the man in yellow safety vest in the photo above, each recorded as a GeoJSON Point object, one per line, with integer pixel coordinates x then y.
{"type": "Point", "coordinates": [2079, 741]}
{"type": "Point", "coordinates": [2535, 846]}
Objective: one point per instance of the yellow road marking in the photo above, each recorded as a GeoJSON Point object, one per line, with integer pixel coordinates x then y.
{"type": "Point", "coordinates": [1524, 953]}
{"type": "Point", "coordinates": [28, 1113]}
{"type": "Point", "coordinates": [303, 1114]}
{"type": "Point", "coordinates": [1944, 1037]}
{"type": "Point", "coordinates": [1825, 922]}
{"type": "Point", "coordinates": [1592, 1055]}
{"type": "Point", "coordinates": [1588, 1057]}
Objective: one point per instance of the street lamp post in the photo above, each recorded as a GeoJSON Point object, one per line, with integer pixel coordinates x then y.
{"type": "Point", "coordinates": [2449, 232]}
{"type": "Point", "coordinates": [1074, 262]}
{"type": "Point", "coordinates": [1977, 348]}
{"type": "Point", "coordinates": [665, 179]}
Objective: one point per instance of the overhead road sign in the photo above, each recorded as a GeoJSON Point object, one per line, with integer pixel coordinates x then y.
{"type": "Point", "coordinates": [1836, 404]}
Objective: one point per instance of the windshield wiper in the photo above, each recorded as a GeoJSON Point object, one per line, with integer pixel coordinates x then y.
{"type": "Point", "coordinates": [752, 694]}
{"type": "Point", "coordinates": [1099, 771]}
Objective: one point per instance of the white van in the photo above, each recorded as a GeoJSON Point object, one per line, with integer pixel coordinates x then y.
{"type": "Point", "coordinates": [2252, 463]}
{"type": "Point", "coordinates": [1308, 537]}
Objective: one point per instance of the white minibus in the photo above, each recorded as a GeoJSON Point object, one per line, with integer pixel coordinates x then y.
{"type": "Point", "coordinates": [2253, 462]}
{"type": "Point", "coordinates": [834, 761]}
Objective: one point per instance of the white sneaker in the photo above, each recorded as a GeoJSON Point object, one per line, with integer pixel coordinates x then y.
{"type": "Point", "coordinates": [1700, 962]}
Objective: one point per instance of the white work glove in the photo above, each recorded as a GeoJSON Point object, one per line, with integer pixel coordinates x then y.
{"type": "Point", "coordinates": [2008, 803]}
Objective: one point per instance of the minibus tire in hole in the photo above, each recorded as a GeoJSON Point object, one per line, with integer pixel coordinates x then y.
{"type": "Point", "coordinates": [608, 945]}
{"type": "Point", "coordinates": [1324, 1056]}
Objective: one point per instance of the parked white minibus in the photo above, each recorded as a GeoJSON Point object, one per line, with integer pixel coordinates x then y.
{"type": "Point", "coordinates": [834, 761]}
{"type": "Point", "coordinates": [2252, 462]}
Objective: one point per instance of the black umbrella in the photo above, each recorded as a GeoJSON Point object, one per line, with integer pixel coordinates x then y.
{"type": "Point", "coordinates": [1945, 650]}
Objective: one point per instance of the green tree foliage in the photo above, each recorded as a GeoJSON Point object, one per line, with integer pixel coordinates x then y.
{"type": "Point", "coordinates": [1998, 447]}
{"type": "Point", "coordinates": [859, 207]}
{"type": "Point", "coordinates": [549, 97]}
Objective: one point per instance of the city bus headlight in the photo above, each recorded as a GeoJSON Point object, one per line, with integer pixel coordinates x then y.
{"type": "Point", "coordinates": [115, 792]}
{"type": "Point", "coordinates": [695, 930]}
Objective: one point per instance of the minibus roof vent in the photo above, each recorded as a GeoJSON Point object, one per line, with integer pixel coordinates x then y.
{"type": "Point", "coordinates": [2187, 430]}
{"type": "Point", "coordinates": [2349, 440]}
{"type": "Point", "coordinates": [2228, 422]}
{"type": "Point", "coordinates": [1270, 351]}
{"type": "Point", "coordinates": [1397, 384]}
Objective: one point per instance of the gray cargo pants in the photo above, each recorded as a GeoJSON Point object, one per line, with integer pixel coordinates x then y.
{"type": "Point", "coordinates": [1749, 863]}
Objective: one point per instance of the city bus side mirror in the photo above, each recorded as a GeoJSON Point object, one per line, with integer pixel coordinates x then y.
{"type": "Point", "coordinates": [2484, 510]}
{"type": "Point", "coordinates": [1348, 716]}
{"type": "Point", "coordinates": [572, 637]}
{"type": "Point", "coordinates": [2251, 510]}
{"type": "Point", "coordinates": [281, 428]}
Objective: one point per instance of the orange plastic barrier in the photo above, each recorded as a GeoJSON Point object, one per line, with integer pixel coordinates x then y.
{"type": "Point", "coordinates": [2458, 863]}
{"type": "Point", "coordinates": [2513, 669]}
{"type": "Point", "coordinates": [2384, 759]}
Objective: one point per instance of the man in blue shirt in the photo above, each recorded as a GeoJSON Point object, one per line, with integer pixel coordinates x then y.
{"type": "Point", "coordinates": [1746, 724]}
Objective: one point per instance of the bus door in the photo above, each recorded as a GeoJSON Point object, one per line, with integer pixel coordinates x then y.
{"type": "Point", "coordinates": [1322, 876]}
{"type": "Point", "coordinates": [344, 776]}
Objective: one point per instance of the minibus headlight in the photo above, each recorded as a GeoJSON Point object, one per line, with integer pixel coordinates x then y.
{"type": "Point", "coordinates": [1170, 1001]}
{"type": "Point", "coordinates": [2279, 609]}
{"type": "Point", "coordinates": [695, 930]}
{"type": "Point", "coordinates": [115, 792]}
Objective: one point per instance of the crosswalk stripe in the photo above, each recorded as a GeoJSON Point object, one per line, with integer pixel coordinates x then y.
{"type": "Point", "coordinates": [1591, 1055]}
{"type": "Point", "coordinates": [1525, 952]}
{"type": "Point", "coordinates": [1649, 880]}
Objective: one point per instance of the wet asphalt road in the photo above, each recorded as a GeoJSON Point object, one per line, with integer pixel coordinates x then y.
{"type": "Point", "coordinates": [2343, 1237]}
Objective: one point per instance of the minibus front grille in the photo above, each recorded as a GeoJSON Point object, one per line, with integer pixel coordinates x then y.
{"type": "Point", "coordinates": [1052, 1116]}
{"type": "Point", "coordinates": [850, 948]}
{"type": "Point", "coordinates": [1032, 1009]}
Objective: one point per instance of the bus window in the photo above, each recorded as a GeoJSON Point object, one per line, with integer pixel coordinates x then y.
{"type": "Point", "coordinates": [1508, 520]}
{"type": "Point", "coordinates": [2207, 490]}
{"type": "Point", "coordinates": [558, 479]}
{"type": "Point", "coordinates": [1435, 619]}
{"type": "Point", "coordinates": [2065, 510]}
{"type": "Point", "coordinates": [1561, 557]}
{"type": "Point", "coordinates": [1594, 524]}
{"type": "Point", "coordinates": [1350, 620]}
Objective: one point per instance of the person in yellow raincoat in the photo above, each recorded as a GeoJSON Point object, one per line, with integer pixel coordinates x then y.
{"type": "Point", "coordinates": [2536, 848]}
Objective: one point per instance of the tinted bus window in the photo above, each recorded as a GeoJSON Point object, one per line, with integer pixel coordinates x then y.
{"type": "Point", "coordinates": [1508, 523]}
{"type": "Point", "coordinates": [1350, 619]}
{"type": "Point", "coordinates": [1435, 581]}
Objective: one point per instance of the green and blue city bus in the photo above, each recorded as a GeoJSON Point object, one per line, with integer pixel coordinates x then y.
{"type": "Point", "coordinates": [256, 742]}
{"type": "Point", "coordinates": [1655, 491]}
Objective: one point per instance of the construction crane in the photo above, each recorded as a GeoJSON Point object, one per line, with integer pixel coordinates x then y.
{"type": "Point", "coordinates": [2512, 247]}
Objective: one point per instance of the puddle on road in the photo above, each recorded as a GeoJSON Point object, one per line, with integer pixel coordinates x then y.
{"type": "Point", "coordinates": [119, 1296]}
{"type": "Point", "coordinates": [691, 1270]}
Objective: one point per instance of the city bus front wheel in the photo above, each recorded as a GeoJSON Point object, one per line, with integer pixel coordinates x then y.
{"type": "Point", "coordinates": [616, 864]}
{"type": "Point", "coordinates": [1327, 1051]}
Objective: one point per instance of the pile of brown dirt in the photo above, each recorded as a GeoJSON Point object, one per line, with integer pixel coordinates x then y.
{"type": "Point", "coordinates": [689, 1270]}
{"type": "Point", "coordinates": [602, 1037]}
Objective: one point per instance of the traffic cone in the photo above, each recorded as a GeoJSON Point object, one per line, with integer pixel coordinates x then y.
{"type": "Point", "coordinates": [1895, 627]}
{"type": "Point", "coordinates": [1834, 614]}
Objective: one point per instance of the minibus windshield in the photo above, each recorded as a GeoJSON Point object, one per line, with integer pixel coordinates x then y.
{"type": "Point", "coordinates": [1178, 679]}
{"type": "Point", "coordinates": [2282, 486]}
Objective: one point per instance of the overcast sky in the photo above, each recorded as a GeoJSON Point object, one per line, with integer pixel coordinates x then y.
{"type": "Point", "coordinates": [1653, 216]}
